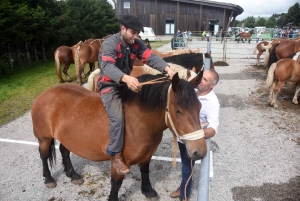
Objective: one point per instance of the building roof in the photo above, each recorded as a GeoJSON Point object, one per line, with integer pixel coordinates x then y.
{"type": "Point", "coordinates": [238, 10]}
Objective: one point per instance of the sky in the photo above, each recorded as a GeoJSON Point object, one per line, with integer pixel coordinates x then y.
{"type": "Point", "coordinates": [259, 8]}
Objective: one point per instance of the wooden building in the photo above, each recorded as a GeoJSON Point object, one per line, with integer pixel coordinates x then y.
{"type": "Point", "coordinates": [168, 16]}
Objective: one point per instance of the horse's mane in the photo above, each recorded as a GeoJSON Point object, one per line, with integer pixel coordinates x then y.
{"type": "Point", "coordinates": [273, 58]}
{"type": "Point", "coordinates": [187, 60]}
{"type": "Point", "coordinates": [154, 96]}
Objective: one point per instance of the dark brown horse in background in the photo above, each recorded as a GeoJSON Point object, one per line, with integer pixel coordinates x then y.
{"type": "Point", "coordinates": [63, 55]}
{"type": "Point", "coordinates": [244, 35]}
{"type": "Point", "coordinates": [283, 50]}
{"type": "Point", "coordinates": [279, 74]}
{"type": "Point", "coordinates": [86, 53]}
{"type": "Point", "coordinates": [89, 138]}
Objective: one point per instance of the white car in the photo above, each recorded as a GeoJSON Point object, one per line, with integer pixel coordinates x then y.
{"type": "Point", "coordinates": [148, 33]}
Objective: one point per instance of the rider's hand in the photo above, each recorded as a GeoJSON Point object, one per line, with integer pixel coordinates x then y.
{"type": "Point", "coordinates": [131, 82]}
{"type": "Point", "coordinates": [169, 71]}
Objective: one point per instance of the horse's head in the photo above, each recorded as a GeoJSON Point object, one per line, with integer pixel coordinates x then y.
{"type": "Point", "coordinates": [182, 116]}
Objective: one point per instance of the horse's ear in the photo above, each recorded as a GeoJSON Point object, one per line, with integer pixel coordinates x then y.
{"type": "Point", "coordinates": [175, 81]}
{"type": "Point", "coordinates": [196, 80]}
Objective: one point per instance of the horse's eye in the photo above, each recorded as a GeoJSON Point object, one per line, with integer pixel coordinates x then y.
{"type": "Point", "coordinates": [177, 111]}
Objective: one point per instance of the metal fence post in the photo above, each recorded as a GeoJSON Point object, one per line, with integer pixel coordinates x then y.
{"type": "Point", "coordinates": [203, 188]}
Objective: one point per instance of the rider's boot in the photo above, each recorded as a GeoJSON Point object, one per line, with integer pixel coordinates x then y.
{"type": "Point", "coordinates": [119, 165]}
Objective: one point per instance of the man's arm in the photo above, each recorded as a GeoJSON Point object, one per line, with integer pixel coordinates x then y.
{"type": "Point", "coordinates": [209, 132]}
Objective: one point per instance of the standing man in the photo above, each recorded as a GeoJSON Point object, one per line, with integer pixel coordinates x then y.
{"type": "Point", "coordinates": [116, 57]}
{"type": "Point", "coordinates": [258, 36]}
{"type": "Point", "coordinates": [222, 35]}
{"type": "Point", "coordinates": [209, 113]}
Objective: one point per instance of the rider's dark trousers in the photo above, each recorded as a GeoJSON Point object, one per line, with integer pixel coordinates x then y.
{"type": "Point", "coordinates": [113, 104]}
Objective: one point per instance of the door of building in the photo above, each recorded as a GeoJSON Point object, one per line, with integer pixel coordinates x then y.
{"type": "Point", "coordinates": [170, 27]}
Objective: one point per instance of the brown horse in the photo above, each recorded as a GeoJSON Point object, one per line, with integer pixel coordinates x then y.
{"type": "Point", "coordinates": [283, 50]}
{"type": "Point", "coordinates": [86, 132]}
{"type": "Point", "coordinates": [63, 55]}
{"type": "Point", "coordinates": [268, 50]}
{"type": "Point", "coordinates": [279, 73]}
{"type": "Point", "coordinates": [244, 35]}
{"type": "Point", "coordinates": [86, 53]}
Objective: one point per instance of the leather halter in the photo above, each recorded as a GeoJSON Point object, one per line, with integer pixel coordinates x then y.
{"type": "Point", "coordinates": [190, 136]}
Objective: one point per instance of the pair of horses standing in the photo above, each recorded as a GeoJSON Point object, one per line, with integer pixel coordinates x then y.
{"type": "Point", "coordinates": [284, 66]}
{"type": "Point", "coordinates": [170, 104]}
{"type": "Point", "coordinates": [79, 54]}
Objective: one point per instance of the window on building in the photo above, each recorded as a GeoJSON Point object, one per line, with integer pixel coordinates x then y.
{"type": "Point", "coordinates": [126, 4]}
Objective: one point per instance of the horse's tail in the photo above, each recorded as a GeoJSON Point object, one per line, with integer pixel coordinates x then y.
{"type": "Point", "coordinates": [92, 85]}
{"type": "Point", "coordinates": [273, 58]}
{"type": "Point", "coordinates": [77, 60]}
{"type": "Point", "coordinates": [57, 65]}
{"type": "Point", "coordinates": [271, 74]}
{"type": "Point", "coordinates": [266, 59]}
{"type": "Point", "coordinates": [52, 153]}
{"type": "Point", "coordinates": [255, 48]}
{"type": "Point", "coordinates": [264, 47]}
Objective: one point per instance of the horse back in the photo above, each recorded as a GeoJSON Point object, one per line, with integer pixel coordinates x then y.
{"type": "Point", "coordinates": [76, 117]}
{"type": "Point", "coordinates": [287, 70]}
{"type": "Point", "coordinates": [64, 55]}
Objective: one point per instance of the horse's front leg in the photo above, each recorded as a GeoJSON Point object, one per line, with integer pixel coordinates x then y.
{"type": "Point", "coordinates": [92, 68]}
{"type": "Point", "coordinates": [146, 188]}
{"type": "Point", "coordinates": [70, 172]}
{"type": "Point", "coordinates": [116, 182]}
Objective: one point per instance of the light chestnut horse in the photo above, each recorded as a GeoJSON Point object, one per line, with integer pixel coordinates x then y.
{"type": "Point", "coordinates": [63, 55]}
{"type": "Point", "coordinates": [268, 50]}
{"type": "Point", "coordinates": [261, 48]}
{"type": "Point", "coordinates": [86, 53]}
{"type": "Point", "coordinates": [279, 74]}
{"type": "Point", "coordinates": [170, 104]}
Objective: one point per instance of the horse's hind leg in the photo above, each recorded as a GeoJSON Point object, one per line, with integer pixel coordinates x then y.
{"type": "Point", "coordinates": [116, 182]}
{"type": "Point", "coordinates": [47, 151]}
{"type": "Point", "coordinates": [70, 172]}
{"type": "Point", "coordinates": [276, 92]}
{"type": "Point", "coordinates": [65, 71]}
{"type": "Point", "coordinates": [147, 189]}
{"type": "Point", "coordinates": [295, 101]}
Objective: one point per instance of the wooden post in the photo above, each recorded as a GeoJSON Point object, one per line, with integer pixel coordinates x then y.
{"type": "Point", "coordinates": [229, 20]}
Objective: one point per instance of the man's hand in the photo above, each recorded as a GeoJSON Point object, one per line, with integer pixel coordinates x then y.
{"type": "Point", "coordinates": [169, 71]}
{"type": "Point", "coordinates": [131, 82]}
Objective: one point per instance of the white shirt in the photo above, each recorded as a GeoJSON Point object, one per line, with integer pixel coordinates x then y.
{"type": "Point", "coordinates": [210, 110]}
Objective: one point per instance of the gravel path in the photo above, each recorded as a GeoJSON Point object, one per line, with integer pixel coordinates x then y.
{"type": "Point", "coordinates": [255, 153]}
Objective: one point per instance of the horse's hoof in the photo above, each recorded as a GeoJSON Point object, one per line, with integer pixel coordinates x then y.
{"type": "Point", "coordinates": [51, 184]}
{"type": "Point", "coordinates": [295, 102]}
{"type": "Point", "coordinates": [77, 181]}
{"type": "Point", "coordinates": [149, 194]}
{"type": "Point", "coordinates": [62, 81]}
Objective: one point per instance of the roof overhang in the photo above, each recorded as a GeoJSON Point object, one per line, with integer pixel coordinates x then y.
{"type": "Point", "coordinates": [236, 8]}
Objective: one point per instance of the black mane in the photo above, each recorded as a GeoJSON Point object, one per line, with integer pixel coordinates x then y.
{"type": "Point", "coordinates": [273, 58]}
{"type": "Point", "coordinates": [154, 96]}
{"type": "Point", "coordinates": [187, 60]}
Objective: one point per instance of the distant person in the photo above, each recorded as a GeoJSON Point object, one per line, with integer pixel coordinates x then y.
{"type": "Point", "coordinates": [222, 35]}
{"type": "Point", "coordinates": [147, 43]}
{"type": "Point", "coordinates": [203, 34]}
{"type": "Point", "coordinates": [258, 36]}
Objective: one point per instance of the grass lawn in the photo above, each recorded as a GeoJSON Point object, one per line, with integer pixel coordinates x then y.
{"type": "Point", "coordinates": [18, 91]}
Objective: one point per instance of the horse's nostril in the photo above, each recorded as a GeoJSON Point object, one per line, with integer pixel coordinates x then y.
{"type": "Point", "coordinates": [197, 155]}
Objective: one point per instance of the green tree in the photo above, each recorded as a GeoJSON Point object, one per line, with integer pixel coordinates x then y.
{"type": "Point", "coordinates": [250, 22]}
{"type": "Point", "coordinates": [282, 20]}
{"type": "Point", "coordinates": [261, 22]}
{"type": "Point", "coordinates": [293, 14]}
{"type": "Point", "coordinates": [271, 23]}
